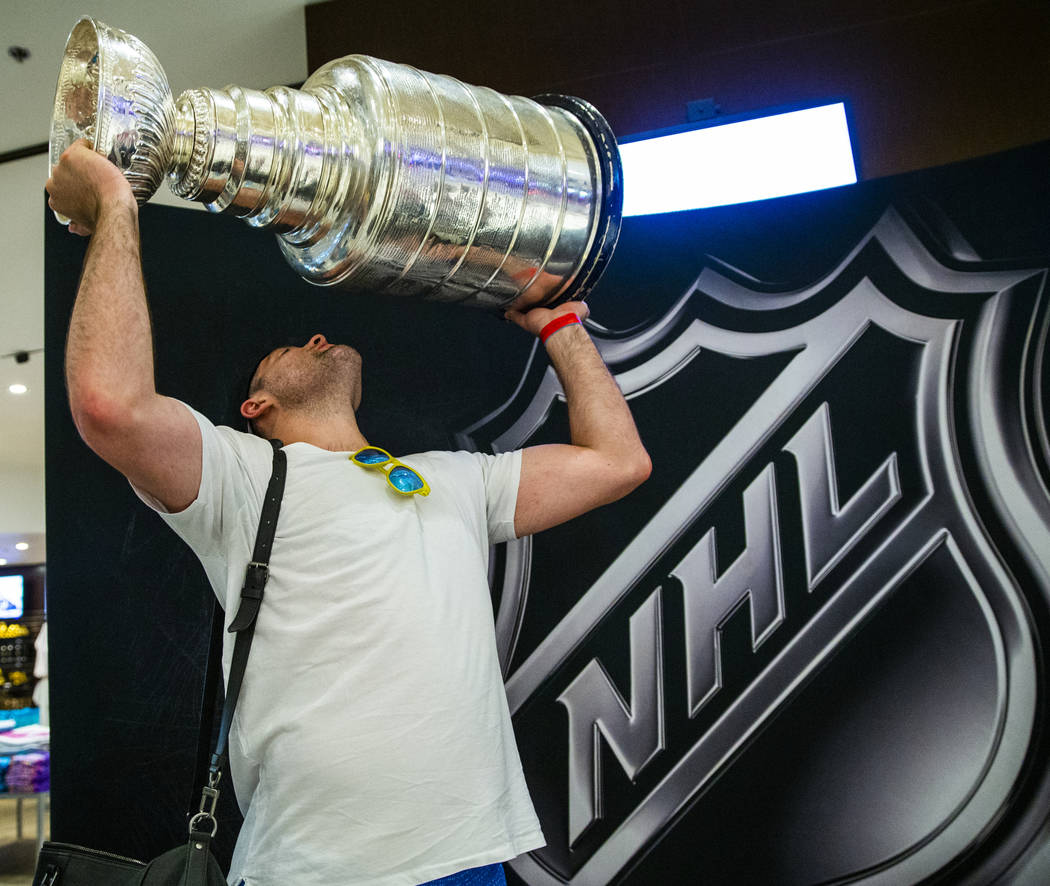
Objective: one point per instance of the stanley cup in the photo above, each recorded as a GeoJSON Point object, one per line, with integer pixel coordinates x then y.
{"type": "Point", "coordinates": [375, 176]}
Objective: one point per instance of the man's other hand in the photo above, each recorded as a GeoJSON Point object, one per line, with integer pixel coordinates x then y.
{"type": "Point", "coordinates": [534, 320]}
{"type": "Point", "coordinates": [83, 184]}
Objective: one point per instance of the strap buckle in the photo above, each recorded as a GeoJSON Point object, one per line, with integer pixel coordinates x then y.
{"type": "Point", "coordinates": [255, 578]}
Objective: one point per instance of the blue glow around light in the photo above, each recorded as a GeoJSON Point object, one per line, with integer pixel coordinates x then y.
{"type": "Point", "coordinates": [739, 162]}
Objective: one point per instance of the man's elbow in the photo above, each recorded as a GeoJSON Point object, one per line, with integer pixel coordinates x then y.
{"type": "Point", "coordinates": [629, 474]}
{"type": "Point", "coordinates": [98, 418]}
{"type": "Point", "coordinates": [641, 468]}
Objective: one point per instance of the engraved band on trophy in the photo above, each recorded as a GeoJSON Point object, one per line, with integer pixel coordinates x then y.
{"type": "Point", "coordinates": [375, 176]}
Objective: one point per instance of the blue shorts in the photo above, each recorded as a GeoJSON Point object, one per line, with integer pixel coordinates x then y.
{"type": "Point", "coordinates": [489, 875]}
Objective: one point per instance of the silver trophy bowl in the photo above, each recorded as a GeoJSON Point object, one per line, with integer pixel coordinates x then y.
{"type": "Point", "coordinates": [113, 92]}
{"type": "Point", "coordinates": [375, 176]}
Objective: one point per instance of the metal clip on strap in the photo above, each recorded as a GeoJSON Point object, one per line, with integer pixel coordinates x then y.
{"type": "Point", "coordinates": [209, 799]}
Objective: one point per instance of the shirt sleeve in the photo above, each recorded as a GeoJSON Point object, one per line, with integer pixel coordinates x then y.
{"type": "Point", "coordinates": [231, 466]}
{"type": "Point", "coordinates": [501, 473]}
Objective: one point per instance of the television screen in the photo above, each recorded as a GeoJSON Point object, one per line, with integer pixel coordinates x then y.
{"type": "Point", "coordinates": [11, 596]}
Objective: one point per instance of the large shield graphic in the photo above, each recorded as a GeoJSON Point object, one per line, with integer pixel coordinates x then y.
{"type": "Point", "coordinates": [808, 651]}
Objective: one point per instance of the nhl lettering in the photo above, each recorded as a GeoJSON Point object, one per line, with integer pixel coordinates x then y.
{"type": "Point", "coordinates": [755, 580]}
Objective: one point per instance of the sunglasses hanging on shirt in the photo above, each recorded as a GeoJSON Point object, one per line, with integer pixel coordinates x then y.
{"type": "Point", "coordinates": [399, 476]}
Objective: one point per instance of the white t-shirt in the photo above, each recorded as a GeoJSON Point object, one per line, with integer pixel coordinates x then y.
{"type": "Point", "coordinates": [372, 741]}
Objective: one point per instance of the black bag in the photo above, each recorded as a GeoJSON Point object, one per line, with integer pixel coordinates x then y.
{"type": "Point", "coordinates": [62, 864]}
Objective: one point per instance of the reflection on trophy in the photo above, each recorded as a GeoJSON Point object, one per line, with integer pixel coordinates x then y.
{"type": "Point", "coordinates": [375, 176]}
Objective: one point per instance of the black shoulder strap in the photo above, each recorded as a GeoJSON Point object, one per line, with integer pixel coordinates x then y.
{"type": "Point", "coordinates": [244, 626]}
{"type": "Point", "coordinates": [209, 702]}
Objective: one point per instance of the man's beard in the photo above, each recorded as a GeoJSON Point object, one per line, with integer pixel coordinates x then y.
{"type": "Point", "coordinates": [326, 386]}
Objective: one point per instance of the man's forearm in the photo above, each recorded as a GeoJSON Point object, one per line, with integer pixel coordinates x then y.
{"type": "Point", "coordinates": [599, 417]}
{"type": "Point", "coordinates": [109, 352]}
{"type": "Point", "coordinates": [151, 440]}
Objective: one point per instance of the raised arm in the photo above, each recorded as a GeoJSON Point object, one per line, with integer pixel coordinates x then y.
{"type": "Point", "coordinates": [606, 458]}
{"type": "Point", "coordinates": [152, 440]}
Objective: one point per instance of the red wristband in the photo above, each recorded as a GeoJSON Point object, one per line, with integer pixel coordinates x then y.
{"type": "Point", "coordinates": [556, 324]}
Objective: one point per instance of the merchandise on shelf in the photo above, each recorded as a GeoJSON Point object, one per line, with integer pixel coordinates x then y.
{"type": "Point", "coordinates": [29, 773]}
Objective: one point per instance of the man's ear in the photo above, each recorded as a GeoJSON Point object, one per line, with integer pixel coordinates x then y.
{"type": "Point", "coordinates": [254, 407]}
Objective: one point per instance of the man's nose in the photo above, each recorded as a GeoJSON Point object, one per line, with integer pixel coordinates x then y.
{"type": "Point", "coordinates": [318, 341]}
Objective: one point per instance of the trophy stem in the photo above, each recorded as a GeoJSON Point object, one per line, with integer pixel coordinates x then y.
{"type": "Point", "coordinates": [267, 157]}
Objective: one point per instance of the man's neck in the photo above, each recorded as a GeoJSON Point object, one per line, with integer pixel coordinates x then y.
{"type": "Point", "coordinates": [338, 434]}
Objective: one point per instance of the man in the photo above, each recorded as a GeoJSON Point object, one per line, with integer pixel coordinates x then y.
{"type": "Point", "coordinates": [372, 741]}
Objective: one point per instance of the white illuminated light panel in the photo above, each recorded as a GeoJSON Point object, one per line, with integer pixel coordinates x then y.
{"type": "Point", "coordinates": [739, 162]}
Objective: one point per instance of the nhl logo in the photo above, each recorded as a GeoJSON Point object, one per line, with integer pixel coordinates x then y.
{"type": "Point", "coordinates": [846, 553]}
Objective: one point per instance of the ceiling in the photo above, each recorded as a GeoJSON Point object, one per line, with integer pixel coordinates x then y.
{"type": "Point", "coordinates": [254, 43]}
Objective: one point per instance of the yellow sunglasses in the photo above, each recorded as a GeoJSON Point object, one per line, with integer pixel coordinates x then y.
{"type": "Point", "coordinates": [401, 478]}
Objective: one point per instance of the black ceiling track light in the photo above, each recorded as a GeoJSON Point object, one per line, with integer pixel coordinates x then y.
{"type": "Point", "coordinates": [23, 356]}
